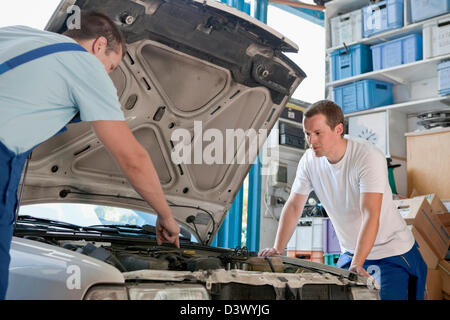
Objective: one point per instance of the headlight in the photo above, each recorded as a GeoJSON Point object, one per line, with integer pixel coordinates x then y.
{"type": "Point", "coordinates": [106, 292]}
{"type": "Point", "coordinates": [168, 291]}
{"type": "Point", "coordinates": [364, 293]}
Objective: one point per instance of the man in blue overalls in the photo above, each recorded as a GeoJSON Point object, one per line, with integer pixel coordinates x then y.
{"type": "Point", "coordinates": [45, 80]}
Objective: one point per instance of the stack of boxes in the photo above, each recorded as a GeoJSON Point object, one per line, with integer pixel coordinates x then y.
{"type": "Point", "coordinates": [429, 222]}
{"type": "Point", "coordinates": [292, 135]}
{"type": "Point", "coordinates": [360, 58]}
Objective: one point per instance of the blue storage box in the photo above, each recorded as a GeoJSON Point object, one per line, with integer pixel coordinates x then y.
{"type": "Point", "coordinates": [396, 52]}
{"type": "Point", "coordinates": [382, 16]}
{"type": "Point", "coordinates": [348, 63]}
{"type": "Point", "coordinates": [424, 9]}
{"type": "Point", "coordinates": [444, 78]}
{"type": "Point", "coordinates": [362, 95]}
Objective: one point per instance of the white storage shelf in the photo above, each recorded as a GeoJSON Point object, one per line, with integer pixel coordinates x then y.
{"type": "Point", "coordinates": [402, 74]}
{"type": "Point", "coordinates": [413, 107]}
{"type": "Point", "coordinates": [391, 34]}
{"type": "Point", "coordinates": [415, 84]}
{"type": "Point", "coordinates": [339, 7]}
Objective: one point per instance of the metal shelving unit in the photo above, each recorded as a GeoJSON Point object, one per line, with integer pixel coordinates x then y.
{"type": "Point", "coordinates": [415, 84]}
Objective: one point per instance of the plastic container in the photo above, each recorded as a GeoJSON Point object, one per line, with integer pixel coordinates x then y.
{"type": "Point", "coordinates": [308, 235]}
{"type": "Point", "coordinates": [331, 259]}
{"type": "Point", "coordinates": [313, 256]}
{"type": "Point", "coordinates": [292, 141]}
{"type": "Point", "coordinates": [396, 52]}
{"type": "Point", "coordinates": [330, 239]}
{"type": "Point", "coordinates": [382, 16]}
{"type": "Point", "coordinates": [436, 38]}
{"type": "Point", "coordinates": [351, 61]}
{"type": "Point", "coordinates": [424, 9]}
{"type": "Point", "coordinates": [444, 78]}
{"type": "Point", "coordinates": [292, 114]}
{"type": "Point", "coordinates": [346, 28]}
{"type": "Point", "coordinates": [363, 95]}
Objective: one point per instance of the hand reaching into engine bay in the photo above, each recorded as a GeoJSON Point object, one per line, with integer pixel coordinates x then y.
{"type": "Point", "coordinates": [167, 230]}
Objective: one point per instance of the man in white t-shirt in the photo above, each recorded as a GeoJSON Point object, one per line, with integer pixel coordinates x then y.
{"type": "Point", "coordinates": [350, 178]}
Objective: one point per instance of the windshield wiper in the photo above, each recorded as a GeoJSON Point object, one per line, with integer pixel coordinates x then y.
{"type": "Point", "coordinates": [146, 229]}
{"type": "Point", "coordinates": [49, 222]}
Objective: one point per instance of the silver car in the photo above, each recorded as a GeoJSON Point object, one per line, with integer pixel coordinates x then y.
{"type": "Point", "coordinates": [193, 67]}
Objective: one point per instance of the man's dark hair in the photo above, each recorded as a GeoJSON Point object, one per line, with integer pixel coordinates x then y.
{"type": "Point", "coordinates": [94, 25]}
{"type": "Point", "coordinates": [332, 112]}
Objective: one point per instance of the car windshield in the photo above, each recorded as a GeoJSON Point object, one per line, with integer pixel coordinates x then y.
{"type": "Point", "coordinates": [86, 215]}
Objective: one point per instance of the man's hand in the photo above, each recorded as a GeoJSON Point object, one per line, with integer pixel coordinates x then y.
{"type": "Point", "coordinates": [360, 271]}
{"type": "Point", "coordinates": [269, 252]}
{"type": "Point", "coordinates": [167, 230]}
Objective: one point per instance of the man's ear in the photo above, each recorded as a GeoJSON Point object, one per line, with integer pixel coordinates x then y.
{"type": "Point", "coordinates": [339, 129]}
{"type": "Point", "coordinates": [99, 45]}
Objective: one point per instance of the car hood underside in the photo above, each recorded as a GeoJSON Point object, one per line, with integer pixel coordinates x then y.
{"type": "Point", "coordinates": [199, 67]}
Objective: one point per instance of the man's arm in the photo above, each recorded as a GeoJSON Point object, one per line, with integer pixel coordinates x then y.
{"type": "Point", "coordinates": [137, 166]}
{"type": "Point", "coordinates": [370, 204]}
{"type": "Point", "coordinates": [290, 214]}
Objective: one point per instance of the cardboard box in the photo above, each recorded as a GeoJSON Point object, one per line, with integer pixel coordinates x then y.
{"type": "Point", "coordinates": [436, 204]}
{"type": "Point", "coordinates": [444, 218]}
{"type": "Point", "coordinates": [408, 208]}
{"type": "Point", "coordinates": [428, 255]}
{"type": "Point", "coordinates": [444, 270]}
{"type": "Point", "coordinates": [417, 212]}
{"type": "Point", "coordinates": [434, 285]}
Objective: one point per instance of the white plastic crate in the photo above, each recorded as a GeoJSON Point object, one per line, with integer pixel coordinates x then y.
{"type": "Point", "coordinates": [436, 38]}
{"type": "Point", "coordinates": [308, 237]}
{"type": "Point", "coordinates": [346, 28]}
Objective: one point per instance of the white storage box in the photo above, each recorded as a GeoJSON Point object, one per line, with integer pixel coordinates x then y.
{"type": "Point", "coordinates": [346, 28]}
{"type": "Point", "coordinates": [436, 38]}
{"type": "Point", "coordinates": [308, 236]}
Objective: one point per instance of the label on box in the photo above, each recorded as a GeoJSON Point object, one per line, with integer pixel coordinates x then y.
{"type": "Point", "coordinates": [404, 212]}
{"type": "Point", "coordinates": [443, 39]}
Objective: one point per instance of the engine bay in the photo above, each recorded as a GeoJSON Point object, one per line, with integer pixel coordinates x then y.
{"type": "Point", "coordinates": [191, 258]}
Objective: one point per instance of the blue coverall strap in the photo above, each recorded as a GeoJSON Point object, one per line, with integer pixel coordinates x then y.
{"type": "Point", "coordinates": [11, 170]}
{"type": "Point", "coordinates": [38, 53]}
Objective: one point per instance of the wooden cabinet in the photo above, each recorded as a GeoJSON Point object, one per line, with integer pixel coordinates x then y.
{"type": "Point", "coordinates": [428, 162]}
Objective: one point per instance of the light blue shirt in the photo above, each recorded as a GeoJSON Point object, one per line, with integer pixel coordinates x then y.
{"type": "Point", "coordinates": [40, 97]}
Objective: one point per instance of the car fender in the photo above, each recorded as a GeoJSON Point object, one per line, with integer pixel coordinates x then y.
{"type": "Point", "coordinates": [44, 271]}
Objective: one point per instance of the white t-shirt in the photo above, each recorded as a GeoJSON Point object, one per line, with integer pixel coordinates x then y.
{"type": "Point", "coordinates": [338, 186]}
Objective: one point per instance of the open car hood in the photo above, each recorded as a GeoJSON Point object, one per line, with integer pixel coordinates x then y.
{"type": "Point", "coordinates": [189, 63]}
